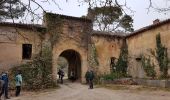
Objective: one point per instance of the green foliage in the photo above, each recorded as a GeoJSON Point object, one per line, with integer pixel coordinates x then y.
{"type": "Point", "coordinates": [110, 18]}
{"type": "Point", "coordinates": [62, 62]}
{"type": "Point", "coordinates": [11, 9]}
{"type": "Point", "coordinates": [114, 75]}
{"type": "Point", "coordinates": [127, 23]}
{"type": "Point", "coordinates": [148, 67]}
{"type": "Point", "coordinates": [93, 61]}
{"type": "Point", "coordinates": [162, 56]}
{"type": "Point", "coordinates": [111, 13]}
{"type": "Point", "coordinates": [122, 63]}
{"type": "Point", "coordinates": [54, 27]}
{"type": "Point", "coordinates": [37, 74]}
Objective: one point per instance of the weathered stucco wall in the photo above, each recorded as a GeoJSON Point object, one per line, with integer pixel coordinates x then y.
{"type": "Point", "coordinates": [106, 47]}
{"type": "Point", "coordinates": [141, 44]}
{"type": "Point", "coordinates": [11, 40]}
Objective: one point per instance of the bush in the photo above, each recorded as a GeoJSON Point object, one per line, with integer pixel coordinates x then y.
{"type": "Point", "coordinates": [122, 63]}
{"type": "Point", "coordinates": [36, 74]}
{"type": "Point", "coordinates": [162, 57]}
{"type": "Point", "coordinates": [148, 67]}
{"type": "Point", "coordinates": [114, 75]}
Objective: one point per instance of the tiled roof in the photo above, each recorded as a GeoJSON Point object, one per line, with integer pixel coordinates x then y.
{"type": "Point", "coordinates": [148, 28]}
{"type": "Point", "coordinates": [36, 27]}
{"type": "Point", "coordinates": [70, 17]}
{"type": "Point", "coordinates": [109, 34]}
{"type": "Point", "coordinates": [19, 25]}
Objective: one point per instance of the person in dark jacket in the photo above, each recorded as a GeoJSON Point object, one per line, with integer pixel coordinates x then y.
{"type": "Point", "coordinates": [4, 77]}
{"type": "Point", "coordinates": [61, 75]}
{"type": "Point", "coordinates": [90, 77]}
{"type": "Point", "coordinates": [87, 76]}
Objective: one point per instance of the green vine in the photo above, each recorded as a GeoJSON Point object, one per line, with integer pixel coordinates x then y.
{"type": "Point", "coordinates": [162, 56]}
{"type": "Point", "coordinates": [93, 61]}
{"type": "Point", "coordinates": [37, 74]}
{"type": "Point", "coordinates": [122, 63]}
{"type": "Point", "coordinates": [54, 27]}
{"type": "Point", "coordinates": [148, 67]}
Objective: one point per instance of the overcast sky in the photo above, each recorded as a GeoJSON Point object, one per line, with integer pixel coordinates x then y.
{"type": "Point", "coordinates": [141, 15]}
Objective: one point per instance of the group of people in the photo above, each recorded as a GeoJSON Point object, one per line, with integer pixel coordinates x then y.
{"type": "Point", "coordinates": [89, 77]}
{"type": "Point", "coordinates": [4, 80]}
{"type": "Point", "coordinates": [61, 75]}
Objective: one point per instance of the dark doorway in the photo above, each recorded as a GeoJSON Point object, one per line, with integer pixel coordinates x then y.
{"type": "Point", "coordinates": [112, 64]}
{"type": "Point", "coordinates": [74, 63]}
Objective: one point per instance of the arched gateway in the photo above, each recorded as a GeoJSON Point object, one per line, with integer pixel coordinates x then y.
{"type": "Point", "coordinates": [70, 39]}
{"type": "Point", "coordinates": [74, 62]}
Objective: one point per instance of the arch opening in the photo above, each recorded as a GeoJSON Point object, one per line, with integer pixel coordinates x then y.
{"type": "Point", "coordinates": [73, 66]}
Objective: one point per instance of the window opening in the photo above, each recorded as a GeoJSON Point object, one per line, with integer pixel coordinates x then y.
{"type": "Point", "coordinates": [26, 51]}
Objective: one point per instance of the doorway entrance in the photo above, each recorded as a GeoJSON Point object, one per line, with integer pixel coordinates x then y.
{"type": "Point", "coordinates": [73, 66]}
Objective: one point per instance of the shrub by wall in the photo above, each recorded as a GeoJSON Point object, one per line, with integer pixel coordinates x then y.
{"type": "Point", "coordinates": [37, 74]}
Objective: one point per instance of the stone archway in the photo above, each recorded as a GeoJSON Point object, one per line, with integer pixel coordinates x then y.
{"type": "Point", "coordinates": [74, 62]}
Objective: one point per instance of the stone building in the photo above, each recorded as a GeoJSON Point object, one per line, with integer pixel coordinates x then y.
{"type": "Point", "coordinates": [18, 43]}
{"type": "Point", "coordinates": [108, 49]}
{"type": "Point", "coordinates": [69, 37]}
{"type": "Point", "coordinates": [72, 42]}
{"type": "Point", "coordinates": [142, 41]}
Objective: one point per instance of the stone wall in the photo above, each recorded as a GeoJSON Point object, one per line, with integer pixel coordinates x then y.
{"type": "Point", "coordinates": [11, 40]}
{"type": "Point", "coordinates": [142, 44]}
{"type": "Point", "coordinates": [72, 35]}
{"type": "Point", "coordinates": [153, 83]}
{"type": "Point", "coordinates": [106, 47]}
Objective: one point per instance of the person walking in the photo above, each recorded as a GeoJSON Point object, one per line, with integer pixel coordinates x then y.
{"type": "Point", "coordinates": [1, 85]}
{"type": "Point", "coordinates": [87, 76]}
{"type": "Point", "coordinates": [18, 79]}
{"type": "Point", "coordinates": [61, 75]}
{"type": "Point", "coordinates": [4, 89]}
{"type": "Point", "coordinates": [90, 77]}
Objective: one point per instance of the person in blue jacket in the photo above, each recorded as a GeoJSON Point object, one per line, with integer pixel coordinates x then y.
{"type": "Point", "coordinates": [4, 77]}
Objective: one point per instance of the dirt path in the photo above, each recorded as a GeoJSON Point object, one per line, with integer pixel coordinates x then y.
{"type": "Point", "coordinates": [76, 91]}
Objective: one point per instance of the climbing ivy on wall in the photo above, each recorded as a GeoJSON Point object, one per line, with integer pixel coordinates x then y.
{"type": "Point", "coordinates": [162, 57]}
{"type": "Point", "coordinates": [37, 74]}
{"type": "Point", "coordinates": [54, 27]}
{"type": "Point", "coordinates": [93, 57]}
{"type": "Point", "coordinates": [148, 66]}
{"type": "Point", "coordinates": [122, 63]}
{"type": "Point", "coordinates": [93, 60]}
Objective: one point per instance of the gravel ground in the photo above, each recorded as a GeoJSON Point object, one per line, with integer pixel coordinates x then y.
{"type": "Point", "coordinates": [77, 91]}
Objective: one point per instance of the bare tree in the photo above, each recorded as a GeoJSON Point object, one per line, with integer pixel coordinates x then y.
{"type": "Point", "coordinates": [23, 9]}
{"type": "Point", "coordinates": [163, 9]}
{"type": "Point", "coordinates": [123, 4]}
